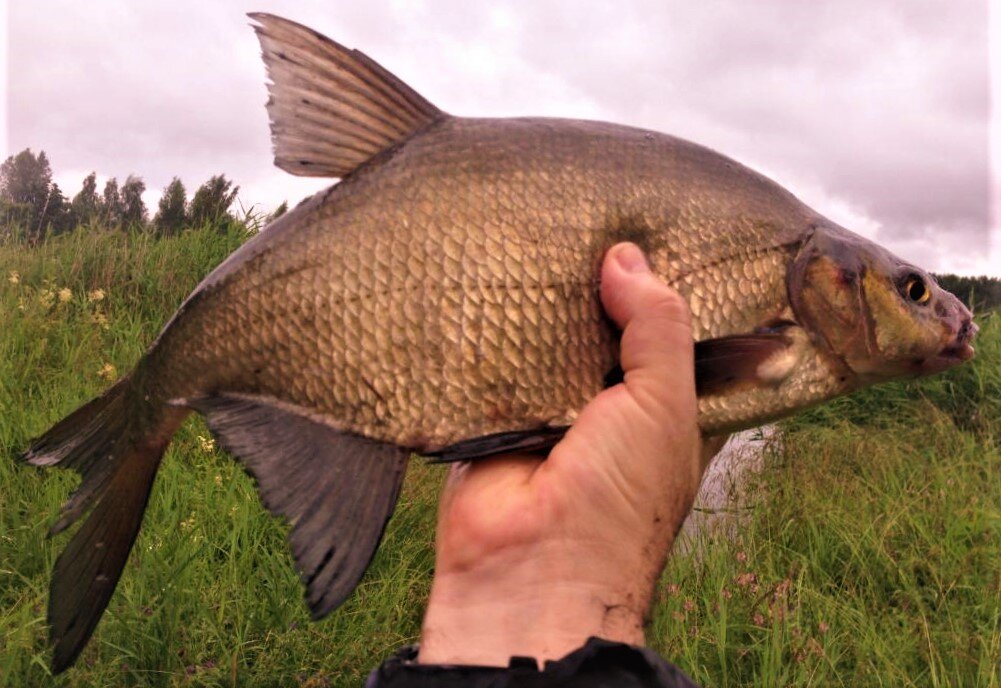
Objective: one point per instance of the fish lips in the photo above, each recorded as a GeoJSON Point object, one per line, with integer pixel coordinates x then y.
{"type": "Point", "coordinates": [958, 351]}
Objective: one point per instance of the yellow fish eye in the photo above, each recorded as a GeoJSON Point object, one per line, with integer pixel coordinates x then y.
{"type": "Point", "coordinates": [916, 290]}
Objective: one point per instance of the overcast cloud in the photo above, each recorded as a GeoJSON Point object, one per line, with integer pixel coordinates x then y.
{"type": "Point", "coordinates": [875, 113]}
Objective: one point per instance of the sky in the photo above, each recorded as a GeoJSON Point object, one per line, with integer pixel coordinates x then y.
{"type": "Point", "coordinates": [877, 114]}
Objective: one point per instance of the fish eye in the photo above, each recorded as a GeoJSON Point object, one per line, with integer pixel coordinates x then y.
{"type": "Point", "coordinates": [916, 290]}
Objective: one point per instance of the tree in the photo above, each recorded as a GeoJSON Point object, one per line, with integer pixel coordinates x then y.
{"type": "Point", "coordinates": [210, 204]}
{"type": "Point", "coordinates": [59, 216]}
{"type": "Point", "coordinates": [170, 214]}
{"type": "Point", "coordinates": [86, 205]}
{"type": "Point", "coordinates": [980, 294]}
{"type": "Point", "coordinates": [25, 189]}
{"type": "Point", "coordinates": [134, 212]}
{"type": "Point", "coordinates": [111, 204]}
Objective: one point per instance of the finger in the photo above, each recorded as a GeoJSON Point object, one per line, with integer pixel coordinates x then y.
{"type": "Point", "coordinates": [657, 351]}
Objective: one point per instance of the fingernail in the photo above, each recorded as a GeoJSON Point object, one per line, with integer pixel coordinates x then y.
{"type": "Point", "coordinates": [631, 258]}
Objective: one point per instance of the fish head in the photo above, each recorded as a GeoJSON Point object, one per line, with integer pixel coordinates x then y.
{"type": "Point", "coordinates": [880, 315]}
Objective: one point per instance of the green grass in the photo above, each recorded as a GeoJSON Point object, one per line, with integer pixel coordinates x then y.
{"type": "Point", "coordinates": [872, 556]}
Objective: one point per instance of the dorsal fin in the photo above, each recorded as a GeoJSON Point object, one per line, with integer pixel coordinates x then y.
{"type": "Point", "coordinates": [332, 108]}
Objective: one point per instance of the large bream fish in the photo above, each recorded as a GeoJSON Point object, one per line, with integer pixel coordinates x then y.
{"type": "Point", "coordinates": [443, 299]}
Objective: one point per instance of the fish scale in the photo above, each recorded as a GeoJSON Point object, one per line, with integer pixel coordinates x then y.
{"type": "Point", "coordinates": [472, 291]}
{"type": "Point", "coordinates": [444, 298]}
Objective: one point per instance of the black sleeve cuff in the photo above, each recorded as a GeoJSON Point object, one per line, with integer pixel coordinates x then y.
{"type": "Point", "coordinates": [598, 663]}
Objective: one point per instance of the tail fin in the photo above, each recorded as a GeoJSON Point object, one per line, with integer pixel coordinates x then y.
{"type": "Point", "coordinates": [115, 442]}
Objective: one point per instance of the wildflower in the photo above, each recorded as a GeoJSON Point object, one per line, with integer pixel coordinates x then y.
{"type": "Point", "coordinates": [65, 295]}
{"type": "Point", "coordinates": [218, 481]}
{"type": "Point", "coordinates": [99, 319]}
{"type": "Point", "coordinates": [188, 523]}
{"type": "Point", "coordinates": [673, 588]}
{"type": "Point", "coordinates": [758, 619]}
{"type": "Point", "coordinates": [746, 579]}
{"type": "Point", "coordinates": [693, 631]}
{"type": "Point", "coordinates": [741, 557]}
{"type": "Point", "coordinates": [823, 627]}
{"type": "Point", "coordinates": [689, 604]}
{"type": "Point", "coordinates": [46, 297]}
{"type": "Point", "coordinates": [21, 305]}
{"type": "Point", "coordinates": [726, 593]}
{"type": "Point", "coordinates": [108, 372]}
{"type": "Point", "coordinates": [15, 277]}
{"type": "Point", "coordinates": [782, 588]}
{"type": "Point", "coordinates": [96, 295]}
{"type": "Point", "coordinates": [207, 444]}
{"type": "Point", "coordinates": [677, 616]}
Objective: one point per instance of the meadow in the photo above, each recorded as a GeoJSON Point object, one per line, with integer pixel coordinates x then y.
{"type": "Point", "coordinates": [870, 555]}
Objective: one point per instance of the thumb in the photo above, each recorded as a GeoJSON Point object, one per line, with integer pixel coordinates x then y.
{"type": "Point", "coordinates": [657, 350]}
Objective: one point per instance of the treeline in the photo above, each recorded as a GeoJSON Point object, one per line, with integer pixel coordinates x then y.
{"type": "Point", "coordinates": [32, 206]}
{"type": "Point", "coordinates": [981, 293]}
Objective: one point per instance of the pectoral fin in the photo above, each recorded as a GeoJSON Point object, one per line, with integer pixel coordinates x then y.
{"type": "Point", "coordinates": [759, 358]}
{"type": "Point", "coordinates": [336, 489]}
{"type": "Point", "coordinates": [518, 441]}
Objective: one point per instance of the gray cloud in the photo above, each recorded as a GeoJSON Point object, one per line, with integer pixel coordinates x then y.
{"type": "Point", "coordinates": [876, 113]}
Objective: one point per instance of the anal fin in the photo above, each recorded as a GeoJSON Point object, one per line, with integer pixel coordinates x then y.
{"type": "Point", "coordinates": [338, 490]}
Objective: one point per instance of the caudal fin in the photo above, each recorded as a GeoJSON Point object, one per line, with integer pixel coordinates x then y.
{"type": "Point", "coordinates": [115, 442]}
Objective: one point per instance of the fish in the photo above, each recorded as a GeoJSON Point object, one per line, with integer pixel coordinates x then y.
{"type": "Point", "coordinates": [443, 299]}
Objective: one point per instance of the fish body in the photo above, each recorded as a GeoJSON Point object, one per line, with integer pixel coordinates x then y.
{"type": "Point", "coordinates": [437, 296]}
{"type": "Point", "coordinates": [444, 299]}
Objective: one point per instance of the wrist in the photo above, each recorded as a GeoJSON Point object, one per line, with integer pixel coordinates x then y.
{"type": "Point", "coordinates": [544, 606]}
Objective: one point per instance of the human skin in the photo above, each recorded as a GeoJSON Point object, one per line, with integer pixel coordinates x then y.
{"type": "Point", "coordinates": [533, 557]}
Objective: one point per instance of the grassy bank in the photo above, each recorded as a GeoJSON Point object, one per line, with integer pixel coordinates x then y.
{"type": "Point", "coordinates": [873, 560]}
{"type": "Point", "coordinates": [872, 555]}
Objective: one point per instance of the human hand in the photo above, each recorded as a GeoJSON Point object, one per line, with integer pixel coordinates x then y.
{"type": "Point", "coordinates": [533, 556]}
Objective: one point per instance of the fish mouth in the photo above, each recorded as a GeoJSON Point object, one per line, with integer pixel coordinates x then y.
{"type": "Point", "coordinates": [947, 358]}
